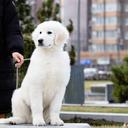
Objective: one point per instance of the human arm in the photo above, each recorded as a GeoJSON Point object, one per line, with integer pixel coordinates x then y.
{"type": "Point", "coordinates": [18, 58]}
{"type": "Point", "coordinates": [12, 32]}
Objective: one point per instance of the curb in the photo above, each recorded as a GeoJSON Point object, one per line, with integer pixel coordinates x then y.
{"type": "Point", "coordinates": [88, 115]}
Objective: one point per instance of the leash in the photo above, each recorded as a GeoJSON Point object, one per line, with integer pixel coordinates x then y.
{"type": "Point", "coordinates": [17, 74]}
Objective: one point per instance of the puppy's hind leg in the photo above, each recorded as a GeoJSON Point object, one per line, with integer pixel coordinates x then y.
{"type": "Point", "coordinates": [20, 111]}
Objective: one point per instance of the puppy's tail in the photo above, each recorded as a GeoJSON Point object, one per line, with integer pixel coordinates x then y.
{"type": "Point", "coordinates": [5, 121]}
{"type": "Point", "coordinates": [13, 120]}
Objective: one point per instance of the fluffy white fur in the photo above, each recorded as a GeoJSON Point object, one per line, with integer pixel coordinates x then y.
{"type": "Point", "coordinates": [39, 99]}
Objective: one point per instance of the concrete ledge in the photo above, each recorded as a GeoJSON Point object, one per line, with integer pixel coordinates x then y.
{"type": "Point", "coordinates": [66, 125]}
{"type": "Point", "coordinates": [117, 117]}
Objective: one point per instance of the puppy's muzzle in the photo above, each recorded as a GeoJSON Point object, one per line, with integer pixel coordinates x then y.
{"type": "Point", "coordinates": [40, 42]}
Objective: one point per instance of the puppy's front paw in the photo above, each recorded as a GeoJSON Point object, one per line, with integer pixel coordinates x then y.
{"type": "Point", "coordinates": [57, 122]}
{"type": "Point", "coordinates": [38, 121]}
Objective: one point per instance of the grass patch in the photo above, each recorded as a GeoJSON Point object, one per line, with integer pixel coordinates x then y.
{"type": "Point", "coordinates": [95, 109]}
{"type": "Point", "coordinates": [96, 123]}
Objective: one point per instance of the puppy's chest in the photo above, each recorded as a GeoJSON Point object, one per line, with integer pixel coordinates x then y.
{"type": "Point", "coordinates": [54, 65]}
{"type": "Point", "coordinates": [52, 85]}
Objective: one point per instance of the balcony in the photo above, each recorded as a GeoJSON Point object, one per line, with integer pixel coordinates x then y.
{"type": "Point", "coordinates": [107, 41]}
{"type": "Point", "coordinates": [101, 1]}
{"type": "Point", "coordinates": [96, 55]}
{"type": "Point", "coordinates": [100, 27]}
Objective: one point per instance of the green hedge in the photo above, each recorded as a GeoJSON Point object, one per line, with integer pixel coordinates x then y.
{"type": "Point", "coordinates": [120, 80]}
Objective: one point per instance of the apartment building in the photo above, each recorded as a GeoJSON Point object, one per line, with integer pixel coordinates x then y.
{"type": "Point", "coordinates": [109, 30]}
{"type": "Point", "coordinates": [103, 27]}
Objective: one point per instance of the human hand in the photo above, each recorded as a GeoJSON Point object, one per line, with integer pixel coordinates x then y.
{"type": "Point", "coordinates": [18, 58]}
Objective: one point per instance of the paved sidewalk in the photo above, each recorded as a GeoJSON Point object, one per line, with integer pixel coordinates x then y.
{"type": "Point", "coordinates": [66, 125]}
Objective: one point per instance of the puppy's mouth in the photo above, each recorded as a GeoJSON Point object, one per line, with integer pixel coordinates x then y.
{"type": "Point", "coordinates": [47, 46]}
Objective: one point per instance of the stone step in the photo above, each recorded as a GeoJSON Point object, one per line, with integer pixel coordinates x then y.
{"type": "Point", "coordinates": [66, 125]}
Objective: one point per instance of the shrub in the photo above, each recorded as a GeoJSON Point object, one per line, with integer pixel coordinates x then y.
{"type": "Point", "coordinates": [120, 80]}
{"type": "Point", "coordinates": [72, 54]}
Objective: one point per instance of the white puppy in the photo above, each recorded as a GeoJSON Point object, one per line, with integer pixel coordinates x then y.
{"type": "Point", "coordinates": [40, 96]}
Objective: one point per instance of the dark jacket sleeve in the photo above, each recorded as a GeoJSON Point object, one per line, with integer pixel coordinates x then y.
{"type": "Point", "coordinates": [13, 36]}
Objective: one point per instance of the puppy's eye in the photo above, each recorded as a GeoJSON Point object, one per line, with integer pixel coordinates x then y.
{"type": "Point", "coordinates": [40, 32]}
{"type": "Point", "coordinates": [49, 32]}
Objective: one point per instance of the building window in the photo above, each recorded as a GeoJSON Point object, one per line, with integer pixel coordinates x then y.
{"type": "Point", "coordinates": [100, 47]}
{"type": "Point", "coordinates": [111, 20]}
{"type": "Point", "coordinates": [99, 20]}
{"type": "Point", "coordinates": [126, 7]}
{"type": "Point", "coordinates": [112, 7]}
{"type": "Point", "coordinates": [111, 34]}
{"type": "Point", "coordinates": [126, 36]}
{"type": "Point", "coordinates": [126, 21]}
{"type": "Point", "coordinates": [108, 20]}
{"type": "Point", "coordinates": [111, 47]}
{"type": "Point", "coordinates": [97, 7]}
{"type": "Point", "coordinates": [108, 34]}
{"type": "Point", "coordinates": [94, 33]}
{"type": "Point", "coordinates": [99, 34]}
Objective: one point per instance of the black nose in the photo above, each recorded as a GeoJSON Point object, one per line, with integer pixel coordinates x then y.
{"type": "Point", "coordinates": [40, 42]}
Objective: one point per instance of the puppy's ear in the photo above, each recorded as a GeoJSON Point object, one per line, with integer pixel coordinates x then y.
{"type": "Point", "coordinates": [35, 32]}
{"type": "Point", "coordinates": [62, 36]}
{"type": "Point", "coordinates": [34, 35]}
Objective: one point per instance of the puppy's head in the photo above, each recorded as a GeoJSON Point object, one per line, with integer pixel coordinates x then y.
{"type": "Point", "coordinates": [50, 33]}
